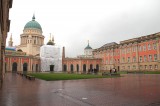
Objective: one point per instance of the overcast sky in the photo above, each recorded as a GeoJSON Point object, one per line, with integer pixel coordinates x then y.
{"type": "Point", "coordinates": [73, 22]}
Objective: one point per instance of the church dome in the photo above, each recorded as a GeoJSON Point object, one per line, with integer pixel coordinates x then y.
{"type": "Point", "coordinates": [33, 24]}
{"type": "Point", "coordinates": [10, 48]}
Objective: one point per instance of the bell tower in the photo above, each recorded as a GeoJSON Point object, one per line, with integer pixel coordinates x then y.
{"type": "Point", "coordinates": [10, 42]}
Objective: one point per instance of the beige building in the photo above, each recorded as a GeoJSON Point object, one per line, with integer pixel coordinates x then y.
{"type": "Point", "coordinates": [32, 38]}
{"type": "Point", "coordinates": [5, 5]}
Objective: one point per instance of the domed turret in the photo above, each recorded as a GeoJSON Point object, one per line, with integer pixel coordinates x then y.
{"type": "Point", "coordinates": [88, 46]}
{"type": "Point", "coordinates": [33, 24]}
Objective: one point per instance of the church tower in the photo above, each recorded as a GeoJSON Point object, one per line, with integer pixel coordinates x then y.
{"type": "Point", "coordinates": [31, 38]}
{"type": "Point", "coordinates": [88, 51]}
{"type": "Point", "coordinates": [10, 42]}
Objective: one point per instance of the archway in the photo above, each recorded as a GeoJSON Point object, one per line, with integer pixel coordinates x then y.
{"type": "Point", "coordinates": [25, 65]}
{"type": "Point", "coordinates": [32, 67]}
{"type": "Point", "coordinates": [14, 67]}
{"type": "Point", "coordinates": [97, 67]}
{"type": "Point", "coordinates": [84, 68]}
{"type": "Point", "coordinates": [36, 67]}
{"type": "Point", "coordinates": [72, 68]}
{"type": "Point", "coordinates": [77, 68]}
{"type": "Point", "coordinates": [64, 67]}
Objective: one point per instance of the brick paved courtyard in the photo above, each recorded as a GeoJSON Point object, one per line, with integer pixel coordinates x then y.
{"type": "Point", "coordinates": [130, 90]}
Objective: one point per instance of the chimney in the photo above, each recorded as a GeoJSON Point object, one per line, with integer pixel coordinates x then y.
{"type": "Point", "coordinates": [63, 53]}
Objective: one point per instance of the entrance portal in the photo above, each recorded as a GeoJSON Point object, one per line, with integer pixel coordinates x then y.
{"type": "Point", "coordinates": [51, 67]}
{"type": "Point", "coordinates": [14, 67]}
{"type": "Point", "coordinates": [25, 67]}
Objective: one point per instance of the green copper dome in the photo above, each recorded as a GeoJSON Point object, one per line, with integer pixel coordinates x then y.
{"type": "Point", "coordinates": [33, 24]}
{"type": "Point", "coordinates": [88, 46]}
{"type": "Point", "coordinates": [50, 43]}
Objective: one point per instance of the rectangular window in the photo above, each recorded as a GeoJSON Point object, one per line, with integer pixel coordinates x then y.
{"type": "Point", "coordinates": [123, 60]}
{"type": "Point", "coordinates": [128, 59]}
{"type": "Point", "coordinates": [135, 49]}
{"type": "Point", "coordinates": [134, 59]}
{"type": "Point", "coordinates": [140, 58]}
{"type": "Point", "coordinates": [150, 57]}
{"type": "Point", "coordinates": [154, 46]}
{"type": "Point", "coordinates": [150, 67]}
{"type": "Point", "coordinates": [128, 50]}
{"type": "Point", "coordinates": [145, 66]}
{"type": "Point", "coordinates": [140, 48]}
{"type": "Point", "coordinates": [141, 67]}
{"type": "Point", "coordinates": [144, 48]}
{"type": "Point", "coordinates": [145, 58]}
{"type": "Point", "coordinates": [156, 66]}
{"type": "Point", "coordinates": [149, 46]}
{"type": "Point", "coordinates": [155, 57]}
{"type": "Point", "coordinates": [134, 67]}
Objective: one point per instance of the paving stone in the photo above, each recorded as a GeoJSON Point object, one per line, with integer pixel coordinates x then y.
{"type": "Point", "coordinates": [130, 90]}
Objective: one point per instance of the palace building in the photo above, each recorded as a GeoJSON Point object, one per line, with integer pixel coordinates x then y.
{"type": "Point", "coordinates": [137, 54]}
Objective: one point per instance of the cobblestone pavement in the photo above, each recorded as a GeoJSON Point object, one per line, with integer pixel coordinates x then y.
{"type": "Point", "coordinates": [129, 90]}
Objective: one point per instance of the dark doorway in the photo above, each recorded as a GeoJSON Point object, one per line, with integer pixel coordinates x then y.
{"type": "Point", "coordinates": [51, 67]}
{"type": "Point", "coordinates": [91, 66]}
{"type": "Point", "coordinates": [97, 67]}
{"type": "Point", "coordinates": [25, 65]}
{"type": "Point", "coordinates": [32, 67]}
{"type": "Point", "coordinates": [64, 67]}
{"type": "Point", "coordinates": [77, 68]}
{"type": "Point", "coordinates": [14, 67]}
{"type": "Point", "coordinates": [84, 68]}
{"type": "Point", "coordinates": [72, 68]}
{"type": "Point", "coordinates": [36, 67]}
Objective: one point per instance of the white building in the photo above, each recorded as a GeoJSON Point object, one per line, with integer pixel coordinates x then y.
{"type": "Point", "coordinates": [51, 59]}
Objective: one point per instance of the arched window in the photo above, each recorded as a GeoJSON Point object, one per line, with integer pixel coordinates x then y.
{"type": "Point", "coordinates": [64, 67]}
{"type": "Point", "coordinates": [72, 68]}
{"type": "Point", "coordinates": [77, 68]}
{"type": "Point", "coordinates": [97, 67]}
{"type": "Point", "coordinates": [84, 68]}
